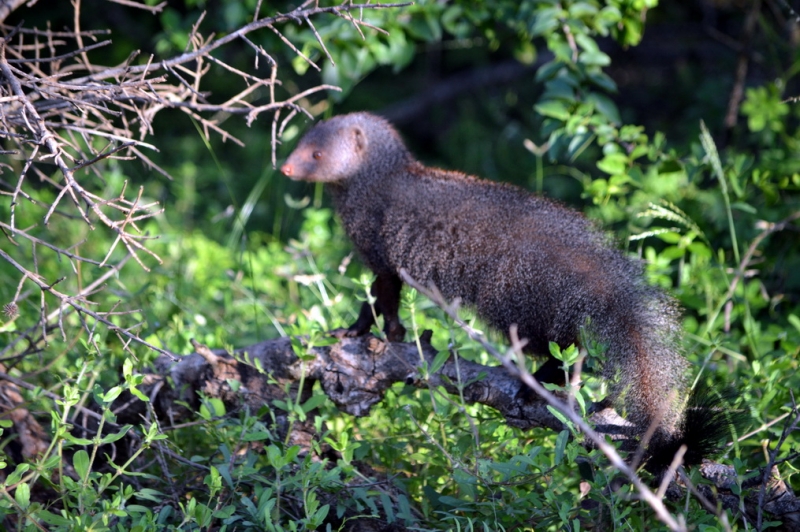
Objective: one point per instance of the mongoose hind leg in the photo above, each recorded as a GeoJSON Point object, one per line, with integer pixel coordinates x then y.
{"type": "Point", "coordinates": [551, 372]}
{"type": "Point", "coordinates": [386, 291]}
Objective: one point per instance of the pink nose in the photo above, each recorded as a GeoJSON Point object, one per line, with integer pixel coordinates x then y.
{"type": "Point", "coordinates": [286, 169]}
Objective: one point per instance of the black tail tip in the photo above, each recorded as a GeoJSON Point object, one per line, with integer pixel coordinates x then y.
{"type": "Point", "coordinates": [711, 418]}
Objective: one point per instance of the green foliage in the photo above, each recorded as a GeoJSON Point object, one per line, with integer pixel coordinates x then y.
{"type": "Point", "coordinates": [764, 110]}
{"type": "Point", "coordinates": [696, 213]}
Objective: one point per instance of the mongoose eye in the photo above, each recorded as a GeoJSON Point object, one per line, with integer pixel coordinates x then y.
{"type": "Point", "coordinates": [317, 155]}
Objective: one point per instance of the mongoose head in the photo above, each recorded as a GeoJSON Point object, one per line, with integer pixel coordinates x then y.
{"type": "Point", "coordinates": [339, 148]}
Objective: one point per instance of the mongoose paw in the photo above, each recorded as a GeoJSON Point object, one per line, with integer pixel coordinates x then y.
{"type": "Point", "coordinates": [342, 332]}
{"type": "Point", "coordinates": [395, 332]}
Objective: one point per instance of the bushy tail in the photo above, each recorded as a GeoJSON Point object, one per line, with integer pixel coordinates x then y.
{"type": "Point", "coordinates": [649, 377]}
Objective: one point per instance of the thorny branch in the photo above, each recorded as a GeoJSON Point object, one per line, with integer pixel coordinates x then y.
{"type": "Point", "coordinates": [61, 114]}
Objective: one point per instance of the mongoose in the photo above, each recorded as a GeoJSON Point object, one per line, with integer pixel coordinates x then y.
{"type": "Point", "coordinates": [513, 257]}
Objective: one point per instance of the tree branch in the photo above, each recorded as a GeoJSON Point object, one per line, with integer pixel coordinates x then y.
{"type": "Point", "coordinates": [355, 374]}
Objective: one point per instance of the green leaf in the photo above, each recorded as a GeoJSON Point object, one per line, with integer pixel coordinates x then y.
{"type": "Point", "coordinates": [578, 144]}
{"type": "Point", "coordinates": [53, 519]}
{"type": "Point", "coordinates": [561, 444]}
{"type": "Point", "coordinates": [795, 321]}
{"type": "Point", "coordinates": [745, 207]}
{"type": "Point", "coordinates": [613, 163]}
{"type": "Point", "coordinates": [582, 10]}
{"type": "Point", "coordinates": [560, 416]}
{"type": "Point", "coordinates": [274, 456]}
{"type": "Point", "coordinates": [548, 71]}
{"type": "Point", "coordinates": [225, 512]}
{"type": "Point", "coordinates": [16, 476]}
{"type": "Point", "coordinates": [555, 350]}
{"type": "Point", "coordinates": [673, 252]}
{"type": "Point", "coordinates": [300, 65]}
{"type": "Point", "coordinates": [586, 43]}
{"type": "Point", "coordinates": [439, 360]}
{"type": "Point", "coordinates": [700, 249]}
{"type": "Point", "coordinates": [321, 514]}
{"type": "Point", "coordinates": [75, 440]}
{"type": "Point", "coordinates": [454, 21]}
{"type": "Point", "coordinates": [546, 21]}
{"type": "Point", "coordinates": [603, 80]}
{"type": "Point", "coordinates": [23, 495]}
{"type": "Point", "coordinates": [670, 166]}
{"type": "Point", "coordinates": [570, 355]}
{"type": "Point", "coordinates": [150, 495]}
{"type": "Point", "coordinates": [424, 27]}
{"type": "Point", "coordinates": [291, 453]}
{"type": "Point", "coordinates": [553, 109]}
{"type": "Point", "coordinates": [111, 394]}
{"type": "Point", "coordinates": [314, 402]}
{"type": "Point", "coordinates": [605, 106]}
{"type": "Point", "coordinates": [558, 89]}
{"type": "Point", "coordinates": [110, 438]}
{"type": "Point", "coordinates": [525, 53]}
{"type": "Point", "coordinates": [127, 368]}
{"type": "Point", "coordinates": [81, 463]}
{"type": "Point", "coordinates": [597, 58]}
{"type": "Point", "coordinates": [609, 15]}
{"type": "Point", "coordinates": [139, 395]}
{"type": "Point", "coordinates": [257, 436]}
{"type": "Point", "coordinates": [217, 405]}
{"type": "Point", "coordinates": [670, 237]}
{"type": "Point", "coordinates": [581, 401]}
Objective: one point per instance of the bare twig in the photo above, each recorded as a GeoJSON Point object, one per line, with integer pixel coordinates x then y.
{"type": "Point", "coordinates": [72, 301]}
{"type": "Point", "coordinates": [768, 229]}
{"type": "Point", "coordinates": [789, 427]}
{"type": "Point", "coordinates": [742, 64]}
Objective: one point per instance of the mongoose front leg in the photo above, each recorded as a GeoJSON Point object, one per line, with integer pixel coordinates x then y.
{"type": "Point", "coordinates": [362, 325]}
{"type": "Point", "coordinates": [386, 291]}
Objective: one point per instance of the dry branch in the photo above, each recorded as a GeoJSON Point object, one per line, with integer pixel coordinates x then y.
{"type": "Point", "coordinates": [61, 115]}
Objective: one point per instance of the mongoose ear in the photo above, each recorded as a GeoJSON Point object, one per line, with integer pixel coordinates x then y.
{"type": "Point", "coordinates": [360, 138]}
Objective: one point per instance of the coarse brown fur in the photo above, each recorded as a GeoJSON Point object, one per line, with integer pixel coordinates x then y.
{"type": "Point", "coordinates": [513, 257]}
